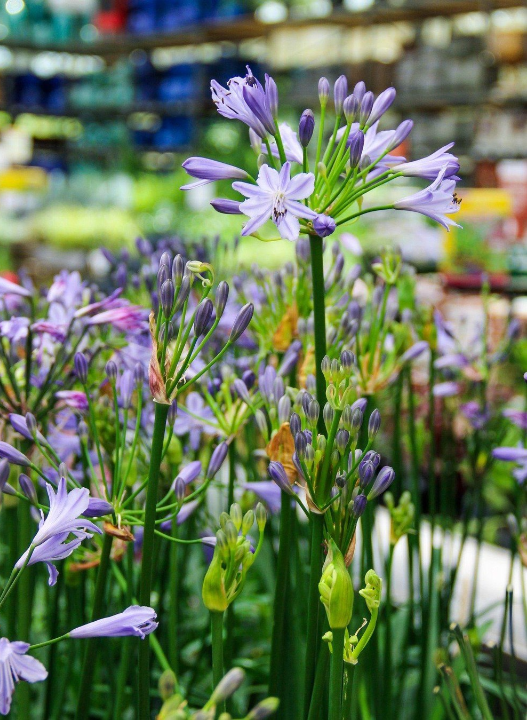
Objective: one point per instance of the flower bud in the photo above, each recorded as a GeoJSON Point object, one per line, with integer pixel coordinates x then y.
{"type": "Point", "coordinates": [374, 424]}
{"type": "Point", "coordinates": [382, 482]}
{"type": "Point", "coordinates": [278, 474]}
{"type": "Point", "coordinates": [139, 375]}
{"type": "Point", "coordinates": [213, 591]}
{"type": "Point", "coordinates": [63, 470]}
{"type": "Point", "coordinates": [222, 295]}
{"type": "Point", "coordinates": [231, 533]}
{"type": "Point", "coordinates": [366, 472]}
{"type": "Point", "coordinates": [97, 507]}
{"type": "Point", "coordinates": [248, 522]}
{"type": "Point", "coordinates": [12, 455]}
{"type": "Point", "coordinates": [340, 481]}
{"type": "Point", "coordinates": [381, 105]}
{"type": "Point", "coordinates": [165, 260]}
{"type": "Point", "coordinates": [359, 90]}
{"type": "Point", "coordinates": [28, 488]}
{"type": "Point", "coordinates": [83, 431]}
{"type": "Point", "coordinates": [351, 108]}
{"type": "Point", "coordinates": [358, 506]}
{"type": "Point", "coordinates": [31, 424]}
{"type": "Point", "coordinates": [324, 225]}
{"type": "Point", "coordinates": [202, 317]}
{"type": "Point", "coordinates": [372, 592]}
{"type": "Point", "coordinates": [264, 709]}
{"type": "Point", "coordinates": [236, 516]}
{"type": "Point", "coordinates": [179, 489]}
{"type": "Point", "coordinates": [227, 686]}
{"type": "Point", "coordinates": [172, 413]}
{"type": "Point", "coordinates": [401, 133]}
{"type": "Point", "coordinates": [313, 411]}
{"type": "Point", "coordinates": [111, 371]}
{"type": "Point", "coordinates": [241, 390]}
{"type": "Point", "coordinates": [340, 91]}
{"type": "Point", "coordinates": [356, 146]}
{"type": "Point", "coordinates": [162, 277]}
{"type": "Point", "coordinates": [217, 459]}
{"type": "Point", "coordinates": [336, 589]}
{"type": "Point", "coordinates": [365, 107]}
{"type": "Point", "coordinates": [261, 421]}
{"type": "Point", "coordinates": [328, 415]}
{"type": "Point", "coordinates": [184, 291]}
{"type": "Point", "coordinates": [306, 127]}
{"type": "Point", "coordinates": [178, 268]}
{"type": "Point", "coordinates": [300, 445]}
{"type": "Point", "coordinates": [261, 517]}
{"type": "Point", "coordinates": [295, 424]}
{"type": "Point", "coordinates": [323, 91]}
{"type": "Point", "coordinates": [284, 409]}
{"type": "Point", "coordinates": [241, 322]}
{"type": "Point", "coordinates": [81, 367]}
{"type": "Point", "coordinates": [166, 297]}
{"type": "Point", "coordinates": [341, 440]}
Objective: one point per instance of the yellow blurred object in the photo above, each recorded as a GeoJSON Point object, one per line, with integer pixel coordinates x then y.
{"type": "Point", "coordinates": [23, 178]}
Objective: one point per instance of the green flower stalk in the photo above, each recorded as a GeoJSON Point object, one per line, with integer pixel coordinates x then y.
{"type": "Point", "coordinates": [402, 516]}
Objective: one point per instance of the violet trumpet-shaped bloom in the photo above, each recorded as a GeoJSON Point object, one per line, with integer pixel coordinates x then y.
{"type": "Point", "coordinates": [510, 454]}
{"type": "Point", "coordinates": [65, 509]}
{"type": "Point", "coordinates": [429, 167]}
{"type": "Point", "coordinates": [262, 101]}
{"type": "Point", "coordinates": [195, 418]}
{"type": "Point", "coordinates": [292, 147]}
{"type": "Point", "coordinates": [53, 549]}
{"type": "Point", "coordinates": [208, 171]}
{"type": "Point", "coordinates": [15, 665]}
{"type": "Point", "coordinates": [230, 103]}
{"type": "Point", "coordinates": [437, 201]}
{"type": "Point", "coordinates": [137, 620]}
{"type": "Point", "coordinates": [276, 197]}
{"type": "Point", "coordinates": [108, 303]}
{"type": "Point", "coordinates": [129, 317]}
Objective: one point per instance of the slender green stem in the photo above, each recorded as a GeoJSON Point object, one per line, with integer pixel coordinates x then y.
{"type": "Point", "coordinates": [216, 619]}
{"type": "Point", "coordinates": [315, 570]}
{"type": "Point", "coordinates": [90, 655]}
{"type": "Point", "coordinates": [319, 313]}
{"type": "Point", "coordinates": [336, 672]}
{"type": "Point", "coordinates": [24, 601]}
{"type": "Point", "coordinates": [320, 682]}
{"type": "Point", "coordinates": [161, 412]}
{"type": "Point", "coordinates": [278, 643]}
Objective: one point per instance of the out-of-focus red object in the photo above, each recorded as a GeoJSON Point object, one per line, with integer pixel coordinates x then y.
{"type": "Point", "coordinates": [111, 18]}
{"type": "Point", "coordinates": [11, 276]}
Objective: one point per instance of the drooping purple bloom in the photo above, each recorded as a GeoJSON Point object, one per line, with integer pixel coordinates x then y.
{"type": "Point", "coordinates": [107, 303]}
{"type": "Point", "coordinates": [510, 454]}
{"type": "Point", "coordinates": [15, 665]}
{"type": "Point", "coordinates": [446, 389]}
{"type": "Point", "coordinates": [19, 423]}
{"type": "Point", "coordinates": [12, 455]}
{"type": "Point", "coordinates": [276, 197]}
{"type": "Point", "coordinates": [261, 101]}
{"type": "Point", "coordinates": [414, 351]}
{"type": "Point", "coordinates": [53, 549]}
{"type": "Point", "coordinates": [10, 288]}
{"type": "Point", "coordinates": [208, 171]}
{"type": "Point", "coordinates": [189, 473]}
{"type": "Point", "coordinates": [268, 492]}
{"type": "Point", "coordinates": [430, 166]}
{"type": "Point", "coordinates": [137, 620]}
{"type": "Point", "coordinates": [129, 317]}
{"type": "Point", "coordinates": [437, 201]}
{"type": "Point", "coordinates": [15, 329]}
{"type": "Point", "coordinates": [74, 399]}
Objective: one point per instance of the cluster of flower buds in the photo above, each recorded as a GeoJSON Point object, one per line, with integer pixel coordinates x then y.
{"type": "Point", "coordinates": [355, 644]}
{"type": "Point", "coordinates": [401, 515]}
{"type": "Point", "coordinates": [275, 400]}
{"type": "Point", "coordinates": [181, 328]}
{"type": "Point", "coordinates": [233, 556]}
{"type": "Point", "coordinates": [336, 589]}
{"type": "Point", "coordinates": [231, 399]}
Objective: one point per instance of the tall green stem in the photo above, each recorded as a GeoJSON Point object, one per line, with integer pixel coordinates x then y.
{"type": "Point", "coordinates": [317, 521]}
{"type": "Point", "coordinates": [335, 682]}
{"type": "Point", "coordinates": [216, 619]}
{"type": "Point", "coordinates": [278, 643]}
{"type": "Point", "coordinates": [160, 418]}
{"type": "Point", "coordinates": [24, 602]}
{"type": "Point", "coordinates": [90, 656]}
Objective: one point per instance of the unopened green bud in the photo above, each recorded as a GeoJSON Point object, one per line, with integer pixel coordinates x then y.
{"type": "Point", "coordinates": [225, 716]}
{"type": "Point", "coordinates": [173, 709]}
{"type": "Point", "coordinates": [222, 545]}
{"type": "Point", "coordinates": [231, 534]}
{"type": "Point", "coordinates": [236, 516]}
{"type": "Point", "coordinates": [167, 684]}
{"type": "Point", "coordinates": [224, 519]}
{"type": "Point", "coordinates": [326, 367]}
{"type": "Point", "coordinates": [261, 517]}
{"type": "Point", "coordinates": [264, 709]}
{"type": "Point", "coordinates": [241, 552]}
{"type": "Point", "coordinates": [213, 592]}
{"type": "Point", "coordinates": [372, 592]}
{"type": "Point", "coordinates": [227, 686]}
{"type": "Point", "coordinates": [203, 715]}
{"type": "Point", "coordinates": [321, 443]}
{"type": "Point", "coordinates": [328, 637]}
{"type": "Point", "coordinates": [336, 589]}
{"type": "Point", "coordinates": [248, 522]}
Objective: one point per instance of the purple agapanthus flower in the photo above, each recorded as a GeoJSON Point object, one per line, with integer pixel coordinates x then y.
{"type": "Point", "coordinates": [15, 330]}
{"type": "Point", "coordinates": [231, 103]}
{"type": "Point", "coordinates": [267, 491]}
{"type": "Point", "coordinates": [195, 418]}
{"type": "Point", "coordinates": [189, 473]}
{"type": "Point", "coordinates": [477, 416]}
{"type": "Point", "coordinates": [53, 549]}
{"type": "Point", "coordinates": [15, 665]}
{"type": "Point", "coordinates": [510, 454]}
{"type": "Point", "coordinates": [129, 317]}
{"type": "Point", "coordinates": [276, 197]}
{"type": "Point", "coordinates": [430, 166]}
{"type": "Point", "coordinates": [446, 389]}
{"type": "Point", "coordinates": [137, 620]}
{"type": "Point", "coordinates": [107, 303]}
{"type": "Point", "coordinates": [74, 399]}
{"type": "Point", "coordinates": [64, 516]}
{"type": "Point", "coordinates": [437, 201]}
{"type": "Point", "coordinates": [517, 417]}
{"type": "Point", "coordinates": [292, 147]}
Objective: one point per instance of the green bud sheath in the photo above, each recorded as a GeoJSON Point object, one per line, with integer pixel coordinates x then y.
{"type": "Point", "coordinates": [336, 589]}
{"type": "Point", "coordinates": [213, 592]}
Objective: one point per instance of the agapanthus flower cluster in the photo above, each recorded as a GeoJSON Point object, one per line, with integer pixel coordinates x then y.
{"type": "Point", "coordinates": [356, 159]}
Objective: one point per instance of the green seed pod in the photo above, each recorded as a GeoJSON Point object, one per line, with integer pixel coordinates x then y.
{"type": "Point", "coordinates": [236, 516]}
{"type": "Point", "coordinates": [336, 589]}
